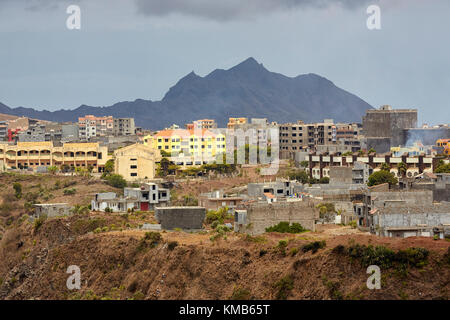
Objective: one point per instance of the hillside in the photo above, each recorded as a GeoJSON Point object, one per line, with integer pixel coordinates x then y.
{"type": "Point", "coordinates": [247, 89]}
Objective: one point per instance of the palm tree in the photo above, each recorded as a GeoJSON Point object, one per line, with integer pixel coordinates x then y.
{"type": "Point", "coordinates": [385, 167]}
{"type": "Point", "coordinates": [402, 169]}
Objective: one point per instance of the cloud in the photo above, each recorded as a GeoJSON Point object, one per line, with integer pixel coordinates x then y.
{"type": "Point", "coordinates": [236, 9]}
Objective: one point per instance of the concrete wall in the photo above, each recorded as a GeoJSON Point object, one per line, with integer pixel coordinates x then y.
{"type": "Point", "coordinates": [180, 217]}
{"type": "Point", "coordinates": [52, 210]}
{"type": "Point", "coordinates": [263, 215]}
{"type": "Point", "coordinates": [409, 198]}
{"type": "Point", "coordinates": [340, 174]}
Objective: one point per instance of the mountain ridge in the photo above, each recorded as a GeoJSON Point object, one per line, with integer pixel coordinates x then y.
{"type": "Point", "coordinates": [246, 90]}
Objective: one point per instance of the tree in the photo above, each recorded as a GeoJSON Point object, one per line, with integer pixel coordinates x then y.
{"type": "Point", "coordinates": [324, 180]}
{"type": "Point", "coordinates": [381, 177]}
{"type": "Point", "coordinates": [116, 180]}
{"type": "Point", "coordinates": [385, 167]}
{"type": "Point", "coordinates": [299, 175]}
{"type": "Point", "coordinates": [52, 169]}
{"type": "Point", "coordinates": [443, 168]}
{"type": "Point", "coordinates": [163, 168]}
{"type": "Point", "coordinates": [18, 189]}
{"type": "Point", "coordinates": [109, 166]}
{"type": "Point", "coordinates": [304, 164]}
{"type": "Point", "coordinates": [371, 150]}
{"type": "Point", "coordinates": [401, 168]}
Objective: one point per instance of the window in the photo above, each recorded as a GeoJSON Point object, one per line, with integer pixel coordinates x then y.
{"type": "Point", "coordinates": [133, 174]}
{"type": "Point", "coordinates": [133, 166]}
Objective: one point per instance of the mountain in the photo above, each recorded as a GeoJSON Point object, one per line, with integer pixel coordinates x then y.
{"type": "Point", "coordinates": [245, 90]}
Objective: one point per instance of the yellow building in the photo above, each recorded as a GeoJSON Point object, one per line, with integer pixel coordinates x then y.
{"type": "Point", "coordinates": [188, 147]}
{"type": "Point", "coordinates": [43, 153]}
{"type": "Point", "coordinates": [136, 162]}
{"type": "Point", "coordinates": [445, 144]}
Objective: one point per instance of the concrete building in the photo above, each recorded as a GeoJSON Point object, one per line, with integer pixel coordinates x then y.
{"type": "Point", "coordinates": [400, 221]}
{"type": "Point", "coordinates": [254, 217]}
{"type": "Point", "coordinates": [92, 126]}
{"type": "Point", "coordinates": [202, 124]}
{"type": "Point", "coordinates": [124, 127]}
{"type": "Point", "coordinates": [281, 188]}
{"type": "Point", "coordinates": [113, 202]}
{"type": "Point", "coordinates": [300, 136]}
{"type": "Point", "coordinates": [40, 132]}
{"type": "Point", "coordinates": [385, 127]}
{"type": "Point", "coordinates": [51, 210]}
{"type": "Point", "coordinates": [438, 183]}
{"type": "Point", "coordinates": [69, 132]}
{"type": "Point", "coordinates": [217, 199]}
{"type": "Point", "coordinates": [234, 122]}
{"type": "Point", "coordinates": [44, 153]}
{"type": "Point", "coordinates": [148, 196]}
{"type": "Point", "coordinates": [190, 218]}
{"type": "Point", "coordinates": [357, 174]}
{"type": "Point", "coordinates": [136, 162]}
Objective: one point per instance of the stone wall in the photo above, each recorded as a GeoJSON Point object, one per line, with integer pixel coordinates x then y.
{"type": "Point", "coordinates": [180, 217]}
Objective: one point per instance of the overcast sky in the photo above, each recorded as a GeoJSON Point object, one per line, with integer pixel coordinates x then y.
{"type": "Point", "coordinates": [129, 49]}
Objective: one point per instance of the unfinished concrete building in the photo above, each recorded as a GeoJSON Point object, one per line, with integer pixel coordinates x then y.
{"type": "Point", "coordinates": [253, 218]}
{"type": "Point", "coordinates": [385, 127]}
{"type": "Point", "coordinates": [51, 209]}
{"type": "Point", "coordinates": [188, 218]}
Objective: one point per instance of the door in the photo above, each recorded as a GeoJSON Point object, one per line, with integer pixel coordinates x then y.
{"type": "Point", "coordinates": [144, 206]}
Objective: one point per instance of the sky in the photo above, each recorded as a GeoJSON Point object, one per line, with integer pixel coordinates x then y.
{"type": "Point", "coordinates": [138, 49]}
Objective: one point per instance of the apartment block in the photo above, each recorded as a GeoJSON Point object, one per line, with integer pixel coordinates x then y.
{"type": "Point", "coordinates": [124, 127]}
{"type": "Point", "coordinates": [234, 122]}
{"type": "Point", "coordinates": [92, 126]}
{"type": "Point", "coordinates": [300, 136]}
{"type": "Point", "coordinates": [136, 162]}
{"type": "Point", "coordinates": [44, 153]}
{"type": "Point", "coordinates": [202, 124]}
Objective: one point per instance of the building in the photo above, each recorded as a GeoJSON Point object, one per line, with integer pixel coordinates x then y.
{"type": "Point", "coordinates": [190, 218]}
{"type": "Point", "coordinates": [427, 135]}
{"type": "Point", "coordinates": [136, 162]}
{"type": "Point", "coordinates": [319, 165]}
{"type": "Point", "coordinates": [217, 199]}
{"type": "Point", "coordinates": [416, 149]}
{"type": "Point", "coordinates": [358, 173]}
{"type": "Point", "coordinates": [92, 126]}
{"type": "Point", "coordinates": [51, 210]}
{"type": "Point", "coordinates": [3, 130]}
{"type": "Point", "coordinates": [281, 188]}
{"type": "Point", "coordinates": [400, 221]}
{"type": "Point", "coordinates": [444, 146]}
{"type": "Point", "coordinates": [44, 153]}
{"type": "Point", "coordinates": [148, 196]}
{"type": "Point", "coordinates": [301, 137]}
{"type": "Point", "coordinates": [254, 217]}
{"type": "Point", "coordinates": [124, 127]}
{"type": "Point", "coordinates": [234, 122]}
{"type": "Point", "coordinates": [110, 201]}
{"type": "Point", "coordinates": [385, 127]}
{"type": "Point", "coordinates": [69, 132]}
{"type": "Point", "coordinates": [188, 147]}
{"type": "Point", "coordinates": [40, 132]}
{"type": "Point", "coordinates": [438, 183]}
{"type": "Point", "coordinates": [202, 124]}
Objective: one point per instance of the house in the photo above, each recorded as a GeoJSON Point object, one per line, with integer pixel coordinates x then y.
{"type": "Point", "coordinates": [114, 203]}
{"type": "Point", "coordinates": [402, 221]}
{"type": "Point", "coordinates": [148, 196]}
{"type": "Point", "coordinates": [136, 162]}
{"type": "Point", "coordinates": [217, 199]}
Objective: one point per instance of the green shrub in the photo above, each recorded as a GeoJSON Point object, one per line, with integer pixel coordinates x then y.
{"type": "Point", "coordinates": [314, 246]}
{"type": "Point", "coordinates": [150, 239]}
{"type": "Point", "coordinates": [68, 192]}
{"type": "Point", "coordinates": [294, 251]}
{"type": "Point", "coordinates": [18, 189]}
{"type": "Point", "coordinates": [240, 294]}
{"type": "Point", "coordinates": [38, 222]}
{"type": "Point", "coordinates": [284, 227]}
{"type": "Point", "coordinates": [116, 181]}
{"type": "Point", "coordinates": [284, 287]}
{"type": "Point", "coordinates": [172, 245]}
{"type": "Point", "coordinates": [262, 252]}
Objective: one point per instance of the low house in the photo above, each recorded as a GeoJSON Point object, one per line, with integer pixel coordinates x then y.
{"type": "Point", "coordinates": [412, 221]}
{"type": "Point", "coordinates": [181, 217]}
{"type": "Point", "coordinates": [51, 209]}
{"type": "Point", "coordinates": [217, 199]}
{"type": "Point", "coordinates": [281, 188]}
{"type": "Point", "coordinates": [148, 196]}
{"type": "Point", "coordinates": [114, 203]}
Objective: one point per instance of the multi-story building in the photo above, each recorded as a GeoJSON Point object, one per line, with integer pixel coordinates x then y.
{"type": "Point", "coordinates": [124, 127]}
{"type": "Point", "coordinates": [300, 136]}
{"type": "Point", "coordinates": [136, 162]}
{"type": "Point", "coordinates": [44, 153]}
{"type": "Point", "coordinates": [149, 196]}
{"type": "Point", "coordinates": [92, 126]}
{"type": "Point", "coordinates": [385, 127]}
{"type": "Point", "coordinates": [40, 132]}
{"type": "Point", "coordinates": [320, 164]}
{"type": "Point", "coordinates": [202, 124]}
{"type": "Point", "coordinates": [443, 146]}
{"type": "Point", "coordinates": [233, 122]}
{"type": "Point", "coordinates": [3, 130]}
{"type": "Point", "coordinates": [189, 147]}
